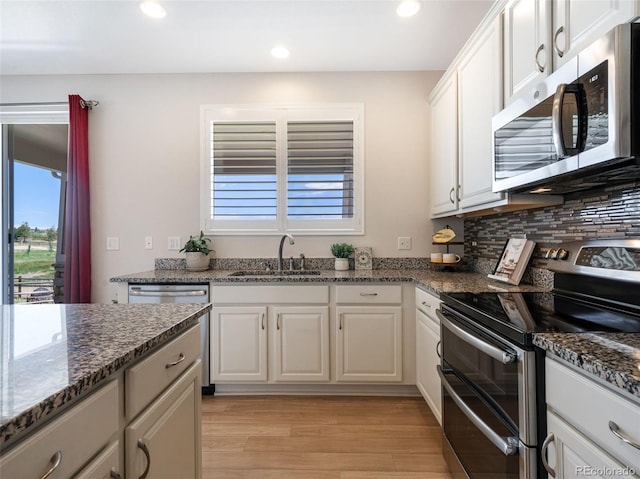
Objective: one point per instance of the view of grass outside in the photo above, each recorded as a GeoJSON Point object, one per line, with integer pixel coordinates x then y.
{"type": "Point", "coordinates": [34, 255]}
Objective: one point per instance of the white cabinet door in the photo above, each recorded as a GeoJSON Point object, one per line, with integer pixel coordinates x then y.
{"type": "Point", "coordinates": [577, 23]}
{"type": "Point", "coordinates": [239, 344]}
{"type": "Point", "coordinates": [479, 98]}
{"type": "Point", "coordinates": [369, 343]}
{"type": "Point", "coordinates": [427, 379]}
{"type": "Point", "coordinates": [164, 441]}
{"type": "Point", "coordinates": [572, 456]}
{"type": "Point", "coordinates": [527, 45]}
{"type": "Point", "coordinates": [301, 343]}
{"type": "Point", "coordinates": [444, 147]}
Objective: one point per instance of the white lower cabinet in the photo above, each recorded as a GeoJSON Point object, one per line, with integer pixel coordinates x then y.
{"type": "Point", "coordinates": [369, 343]}
{"type": "Point", "coordinates": [68, 442]}
{"type": "Point", "coordinates": [239, 343]}
{"type": "Point", "coordinates": [593, 430]}
{"type": "Point", "coordinates": [164, 441]}
{"type": "Point", "coordinates": [269, 333]}
{"type": "Point", "coordinates": [427, 359]}
{"type": "Point", "coordinates": [573, 456]}
{"type": "Point", "coordinates": [301, 343]}
{"type": "Point", "coordinates": [369, 333]}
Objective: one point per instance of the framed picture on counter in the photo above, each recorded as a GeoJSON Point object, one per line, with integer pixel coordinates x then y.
{"type": "Point", "coordinates": [513, 260]}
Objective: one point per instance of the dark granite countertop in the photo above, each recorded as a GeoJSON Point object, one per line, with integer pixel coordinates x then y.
{"type": "Point", "coordinates": [612, 357]}
{"type": "Point", "coordinates": [434, 281]}
{"type": "Point", "coordinates": [55, 353]}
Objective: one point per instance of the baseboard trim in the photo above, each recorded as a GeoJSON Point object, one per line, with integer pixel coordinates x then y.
{"type": "Point", "coordinates": [408, 390]}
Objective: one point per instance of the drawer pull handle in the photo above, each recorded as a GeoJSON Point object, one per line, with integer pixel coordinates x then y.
{"type": "Point", "coordinates": [438, 349]}
{"type": "Point", "coordinates": [368, 294]}
{"type": "Point", "coordinates": [555, 41]}
{"type": "Point", "coordinates": [262, 320]}
{"type": "Point", "coordinates": [543, 454]}
{"type": "Point", "coordinates": [613, 427]}
{"type": "Point", "coordinates": [426, 305]}
{"type": "Point", "coordinates": [278, 322]}
{"type": "Point", "coordinates": [175, 363]}
{"type": "Point", "coordinates": [340, 322]}
{"type": "Point", "coordinates": [540, 67]}
{"type": "Point", "coordinates": [143, 446]}
{"type": "Point", "coordinates": [56, 459]}
{"type": "Point", "coordinates": [114, 474]}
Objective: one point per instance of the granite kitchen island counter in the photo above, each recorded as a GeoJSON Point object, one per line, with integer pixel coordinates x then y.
{"type": "Point", "coordinates": [57, 353]}
{"type": "Point", "coordinates": [612, 357]}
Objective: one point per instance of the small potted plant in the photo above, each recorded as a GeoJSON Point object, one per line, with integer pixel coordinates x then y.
{"type": "Point", "coordinates": [342, 251]}
{"type": "Point", "coordinates": [197, 252]}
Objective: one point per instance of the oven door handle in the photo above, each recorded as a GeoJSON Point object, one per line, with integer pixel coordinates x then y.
{"type": "Point", "coordinates": [505, 357]}
{"type": "Point", "coordinates": [509, 446]}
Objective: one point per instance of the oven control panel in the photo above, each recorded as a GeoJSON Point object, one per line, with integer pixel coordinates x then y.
{"type": "Point", "coordinates": [616, 258]}
{"type": "Point", "coordinates": [610, 258]}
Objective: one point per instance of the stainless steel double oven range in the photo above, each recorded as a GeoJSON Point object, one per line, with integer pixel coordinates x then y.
{"type": "Point", "coordinates": [492, 375]}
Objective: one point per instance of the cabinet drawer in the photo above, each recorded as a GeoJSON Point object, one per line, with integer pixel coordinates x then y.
{"type": "Point", "coordinates": [369, 294]}
{"type": "Point", "coordinates": [270, 294]}
{"type": "Point", "coordinates": [147, 379]}
{"type": "Point", "coordinates": [590, 407]}
{"type": "Point", "coordinates": [428, 303]}
{"type": "Point", "coordinates": [76, 436]}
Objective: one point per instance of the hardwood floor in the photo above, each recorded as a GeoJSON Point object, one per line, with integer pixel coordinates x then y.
{"type": "Point", "coordinates": [269, 437]}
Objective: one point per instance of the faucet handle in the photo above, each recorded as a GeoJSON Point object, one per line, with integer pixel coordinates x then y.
{"type": "Point", "coordinates": [302, 262]}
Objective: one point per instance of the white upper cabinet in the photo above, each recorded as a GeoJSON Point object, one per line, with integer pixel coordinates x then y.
{"type": "Point", "coordinates": [527, 46]}
{"type": "Point", "coordinates": [444, 145]}
{"type": "Point", "coordinates": [479, 98]}
{"type": "Point", "coordinates": [542, 35]}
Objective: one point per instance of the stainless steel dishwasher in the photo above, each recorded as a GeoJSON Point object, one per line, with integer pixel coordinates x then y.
{"type": "Point", "coordinates": [180, 293]}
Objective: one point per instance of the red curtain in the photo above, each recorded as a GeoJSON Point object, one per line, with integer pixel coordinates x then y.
{"type": "Point", "coordinates": [77, 225]}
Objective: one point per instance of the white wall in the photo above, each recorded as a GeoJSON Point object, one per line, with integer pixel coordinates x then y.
{"type": "Point", "coordinates": [144, 154]}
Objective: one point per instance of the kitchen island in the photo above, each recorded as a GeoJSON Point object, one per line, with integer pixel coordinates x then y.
{"type": "Point", "coordinates": [56, 356]}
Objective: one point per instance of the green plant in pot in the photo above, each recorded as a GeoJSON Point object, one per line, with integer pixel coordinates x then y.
{"type": "Point", "coordinates": [197, 252]}
{"type": "Point", "coordinates": [342, 252]}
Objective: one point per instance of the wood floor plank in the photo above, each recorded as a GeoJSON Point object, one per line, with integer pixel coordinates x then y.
{"type": "Point", "coordinates": [312, 437]}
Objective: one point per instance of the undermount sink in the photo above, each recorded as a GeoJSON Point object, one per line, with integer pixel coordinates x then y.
{"type": "Point", "coordinates": [275, 273]}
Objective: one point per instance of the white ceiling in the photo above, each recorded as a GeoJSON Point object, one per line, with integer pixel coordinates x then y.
{"type": "Point", "coordinates": [113, 36]}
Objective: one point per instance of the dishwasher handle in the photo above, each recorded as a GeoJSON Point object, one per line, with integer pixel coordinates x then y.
{"type": "Point", "coordinates": [167, 294]}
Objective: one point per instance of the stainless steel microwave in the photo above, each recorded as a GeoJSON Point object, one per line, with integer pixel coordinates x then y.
{"type": "Point", "coordinates": [580, 126]}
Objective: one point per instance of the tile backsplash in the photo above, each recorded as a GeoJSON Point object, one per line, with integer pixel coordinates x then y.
{"type": "Point", "coordinates": [600, 213]}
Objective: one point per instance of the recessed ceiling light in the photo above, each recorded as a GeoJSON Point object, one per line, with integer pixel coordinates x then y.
{"type": "Point", "coordinates": [153, 9]}
{"type": "Point", "coordinates": [408, 8]}
{"type": "Point", "coordinates": [279, 52]}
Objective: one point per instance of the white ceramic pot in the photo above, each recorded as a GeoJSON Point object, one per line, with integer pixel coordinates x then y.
{"type": "Point", "coordinates": [197, 261]}
{"type": "Point", "coordinates": [342, 264]}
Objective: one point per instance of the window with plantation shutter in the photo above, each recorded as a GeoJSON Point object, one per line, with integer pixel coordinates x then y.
{"type": "Point", "coordinates": [275, 169]}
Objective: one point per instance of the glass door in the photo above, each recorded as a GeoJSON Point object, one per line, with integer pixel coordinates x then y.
{"type": "Point", "coordinates": [33, 191]}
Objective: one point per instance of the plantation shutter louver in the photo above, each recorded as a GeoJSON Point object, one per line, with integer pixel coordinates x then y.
{"type": "Point", "coordinates": [244, 180]}
{"type": "Point", "coordinates": [320, 170]}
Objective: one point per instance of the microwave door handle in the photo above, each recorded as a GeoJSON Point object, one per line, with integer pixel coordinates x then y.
{"type": "Point", "coordinates": [505, 357]}
{"type": "Point", "coordinates": [556, 120]}
{"type": "Point", "coordinates": [507, 445]}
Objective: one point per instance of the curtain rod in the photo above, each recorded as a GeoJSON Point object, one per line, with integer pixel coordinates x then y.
{"type": "Point", "coordinates": [83, 103]}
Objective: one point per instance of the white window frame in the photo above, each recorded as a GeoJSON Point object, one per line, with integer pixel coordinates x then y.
{"type": "Point", "coordinates": [281, 114]}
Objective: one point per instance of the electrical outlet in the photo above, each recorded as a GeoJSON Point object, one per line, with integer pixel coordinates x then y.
{"type": "Point", "coordinates": [404, 242]}
{"type": "Point", "coordinates": [113, 243]}
{"type": "Point", "coordinates": [174, 243]}
{"type": "Point", "coordinates": [148, 242]}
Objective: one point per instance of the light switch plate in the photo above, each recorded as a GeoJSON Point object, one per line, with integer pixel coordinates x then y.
{"type": "Point", "coordinates": [148, 242]}
{"type": "Point", "coordinates": [174, 243]}
{"type": "Point", "coordinates": [113, 243]}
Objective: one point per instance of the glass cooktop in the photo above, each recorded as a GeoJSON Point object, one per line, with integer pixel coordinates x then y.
{"type": "Point", "coordinates": [517, 315]}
